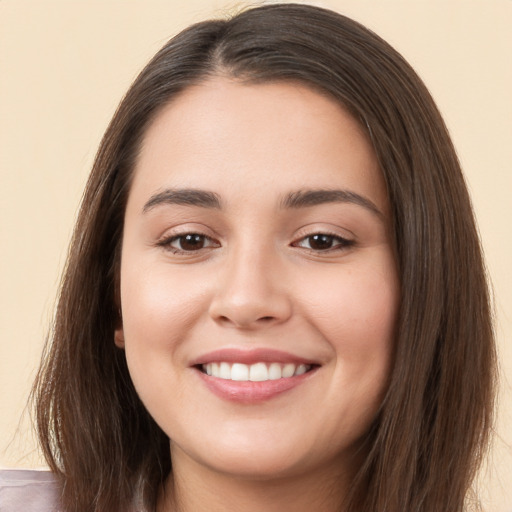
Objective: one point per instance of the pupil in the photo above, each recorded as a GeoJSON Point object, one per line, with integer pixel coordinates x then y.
{"type": "Point", "coordinates": [192, 242]}
{"type": "Point", "coordinates": [320, 242]}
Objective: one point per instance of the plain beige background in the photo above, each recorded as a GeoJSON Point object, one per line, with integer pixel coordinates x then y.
{"type": "Point", "coordinates": [64, 66]}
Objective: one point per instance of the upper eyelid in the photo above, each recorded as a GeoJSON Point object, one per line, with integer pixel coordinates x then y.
{"type": "Point", "coordinates": [166, 242]}
{"type": "Point", "coordinates": [171, 237]}
{"type": "Point", "coordinates": [191, 228]}
{"type": "Point", "coordinates": [344, 241]}
{"type": "Point", "coordinates": [178, 231]}
{"type": "Point", "coordinates": [307, 231]}
{"type": "Point", "coordinates": [325, 233]}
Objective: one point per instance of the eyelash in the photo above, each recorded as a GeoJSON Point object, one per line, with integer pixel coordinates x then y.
{"type": "Point", "coordinates": [338, 243]}
{"type": "Point", "coordinates": [166, 243]}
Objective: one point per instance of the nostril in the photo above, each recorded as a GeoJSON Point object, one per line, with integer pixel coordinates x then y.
{"type": "Point", "coordinates": [246, 323]}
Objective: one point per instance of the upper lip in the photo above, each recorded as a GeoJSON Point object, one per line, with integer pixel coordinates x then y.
{"type": "Point", "coordinates": [250, 356]}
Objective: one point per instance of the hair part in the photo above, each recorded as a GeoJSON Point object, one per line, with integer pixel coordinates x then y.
{"type": "Point", "coordinates": [432, 429]}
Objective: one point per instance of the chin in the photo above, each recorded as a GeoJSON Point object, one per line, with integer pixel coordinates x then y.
{"type": "Point", "coordinates": [256, 465]}
{"type": "Point", "coordinates": [266, 457]}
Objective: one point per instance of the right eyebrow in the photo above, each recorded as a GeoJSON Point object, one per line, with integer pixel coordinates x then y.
{"type": "Point", "coordinates": [186, 196]}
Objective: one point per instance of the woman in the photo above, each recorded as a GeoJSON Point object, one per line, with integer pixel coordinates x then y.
{"type": "Point", "coordinates": [276, 268]}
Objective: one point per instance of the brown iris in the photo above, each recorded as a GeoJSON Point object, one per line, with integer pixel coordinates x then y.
{"type": "Point", "coordinates": [320, 242]}
{"type": "Point", "coordinates": [191, 242]}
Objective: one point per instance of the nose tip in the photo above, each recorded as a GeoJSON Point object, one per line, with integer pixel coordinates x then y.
{"type": "Point", "coordinates": [250, 300]}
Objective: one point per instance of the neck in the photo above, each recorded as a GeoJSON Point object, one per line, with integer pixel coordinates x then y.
{"type": "Point", "coordinates": [193, 487]}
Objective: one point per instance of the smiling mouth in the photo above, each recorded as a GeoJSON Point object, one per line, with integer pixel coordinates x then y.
{"type": "Point", "coordinates": [257, 372]}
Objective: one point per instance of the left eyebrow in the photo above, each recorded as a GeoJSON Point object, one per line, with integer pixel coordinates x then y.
{"type": "Point", "coordinates": [187, 197]}
{"type": "Point", "coordinates": [307, 198]}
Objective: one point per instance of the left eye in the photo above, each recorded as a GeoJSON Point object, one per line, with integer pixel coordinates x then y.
{"type": "Point", "coordinates": [323, 242]}
{"type": "Point", "coordinates": [189, 242]}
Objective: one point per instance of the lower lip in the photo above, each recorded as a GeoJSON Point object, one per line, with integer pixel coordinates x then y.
{"type": "Point", "coordinates": [252, 392]}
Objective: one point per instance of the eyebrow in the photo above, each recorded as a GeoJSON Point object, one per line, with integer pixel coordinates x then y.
{"type": "Point", "coordinates": [307, 198]}
{"type": "Point", "coordinates": [293, 200]}
{"type": "Point", "coordinates": [187, 197]}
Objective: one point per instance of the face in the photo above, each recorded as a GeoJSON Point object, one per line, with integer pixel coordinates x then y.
{"type": "Point", "coordinates": [259, 288]}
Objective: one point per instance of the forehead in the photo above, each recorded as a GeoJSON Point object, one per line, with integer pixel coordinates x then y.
{"type": "Point", "coordinates": [275, 137]}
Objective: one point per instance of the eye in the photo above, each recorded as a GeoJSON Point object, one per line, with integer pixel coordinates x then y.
{"type": "Point", "coordinates": [323, 242]}
{"type": "Point", "coordinates": [188, 242]}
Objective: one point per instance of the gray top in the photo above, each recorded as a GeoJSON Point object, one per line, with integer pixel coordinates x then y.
{"type": "Point", "coordinates": [28, 491]}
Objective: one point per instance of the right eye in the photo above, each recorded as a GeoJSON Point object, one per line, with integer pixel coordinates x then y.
{"type": "Point", "coordinates": [188, 242]}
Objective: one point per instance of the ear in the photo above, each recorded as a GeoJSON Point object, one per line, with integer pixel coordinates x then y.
{"type": "Point", "coordinates": [119, 337]}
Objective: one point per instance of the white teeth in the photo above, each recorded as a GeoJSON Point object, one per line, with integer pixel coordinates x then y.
{"type": "Point", "coordinates": [225, 371]}
{"type": "Point", "coordinates": [274, 371]}
{"type": "Point", "coordinates": [257, 372]}
{"type": "Point", "coordinates": [288, 370]}
{"type": "Point", "coordinates": [239, 371]}
{"type": "Point", "coordinates": [300, 369]}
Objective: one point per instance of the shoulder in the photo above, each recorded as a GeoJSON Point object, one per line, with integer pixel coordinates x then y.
{"type": "Point", "coordinates": [28, 491]}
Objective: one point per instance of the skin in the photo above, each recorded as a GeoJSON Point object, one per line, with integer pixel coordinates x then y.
{"type": "Point", "coordinates": [257, 279]}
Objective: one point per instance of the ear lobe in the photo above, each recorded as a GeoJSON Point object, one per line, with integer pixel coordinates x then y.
{"type": "Point", "coordinates": [119, 337]}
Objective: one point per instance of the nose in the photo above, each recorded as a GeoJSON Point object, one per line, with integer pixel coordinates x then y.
{"type": "Point", "coordinates": [252, 292]}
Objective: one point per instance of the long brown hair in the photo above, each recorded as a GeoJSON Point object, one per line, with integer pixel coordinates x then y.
{"type": "Point", "coordinates": [431, 432]}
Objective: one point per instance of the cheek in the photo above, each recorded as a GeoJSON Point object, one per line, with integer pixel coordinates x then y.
{"type": "Point", "coordinates": [159, 302]}
{"type": "Point", "coordinates": [356, 313]}
{"type": "Point", "coordinates": [160, 310]}
{"type": "Point", "coordinates": [357, 309]}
